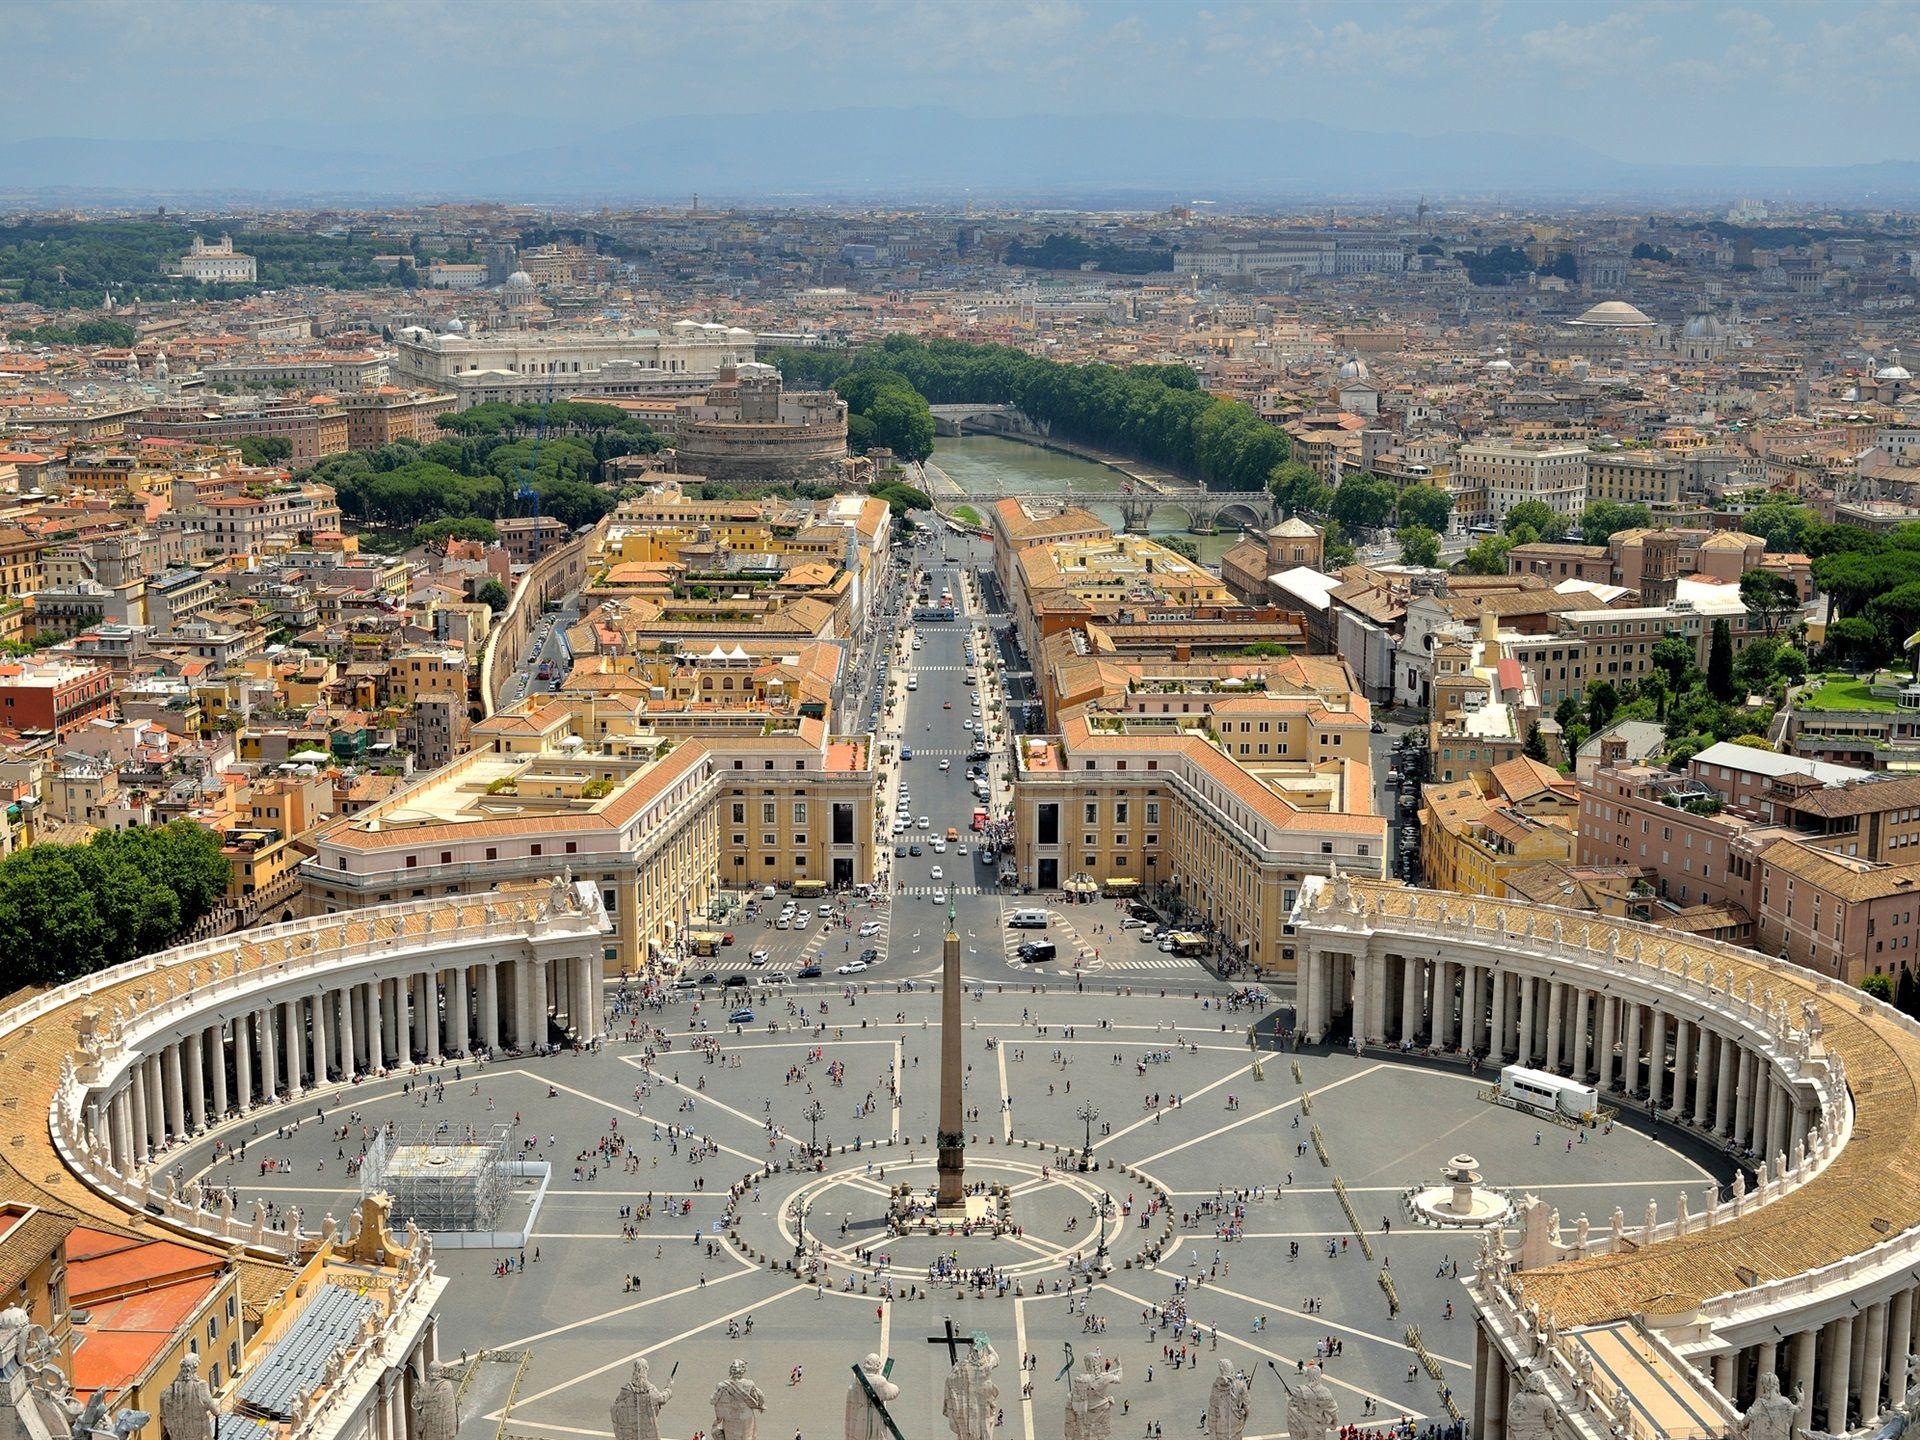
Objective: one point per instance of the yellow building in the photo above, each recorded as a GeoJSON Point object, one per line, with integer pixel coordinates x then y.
{"type": "Point", "coordinates": [1477, 832]}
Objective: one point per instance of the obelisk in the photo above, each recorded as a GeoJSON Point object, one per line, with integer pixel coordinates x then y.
{"type": "Point", "coordinates": [952, 1164]}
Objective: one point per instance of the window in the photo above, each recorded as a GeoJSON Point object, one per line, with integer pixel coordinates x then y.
{"type": "Point", "coordinates": [412, 860]}
{"type": "Point", "coordinates": [799, 812]}
{"type": "Point", "coordinates": [1119, 812]}
{"type": "Point", "coordinates": [1093, 812]}
{"type": "Point", "coordinates": [1153, 812]}
{"type": "Point", "coordinates": [767, 810]}
{"type": "Point", "coordinates": [1046, 826]}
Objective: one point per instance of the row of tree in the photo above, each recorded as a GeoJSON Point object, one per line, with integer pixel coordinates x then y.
{"type": "Point", "coordinates": [1156, 413]}
{"type": "Point", "coordinates": [69, 910]}
{"type": "Point", "coordinates": [884, 411]}
{"type": "Point", "coordinates": [85, 332]}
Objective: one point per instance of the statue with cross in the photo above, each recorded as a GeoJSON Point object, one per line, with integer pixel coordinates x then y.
{"type": "Point", "coordinates": [867, 1398]}
{"type": "Point", "coordinates": [970, 1400]}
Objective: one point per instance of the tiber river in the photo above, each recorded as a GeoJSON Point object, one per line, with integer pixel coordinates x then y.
{"type": "Point", "coordinates": [990, 461]}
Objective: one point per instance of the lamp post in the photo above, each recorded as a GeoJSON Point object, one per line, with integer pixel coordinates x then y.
{"type": "Point", "coordinates": [1087, 1115]}
{"type": "Point", "coordinates": [813, 1115]}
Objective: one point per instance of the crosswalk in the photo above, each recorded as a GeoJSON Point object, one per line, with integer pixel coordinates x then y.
{"type": "Point", "coordinates": [939, 890]}
{"type": "Point", "coordinates": [1159, 962]}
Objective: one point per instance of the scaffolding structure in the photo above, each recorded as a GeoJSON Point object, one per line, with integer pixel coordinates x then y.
{"type": "Point", "coordinates": [441, 1183]}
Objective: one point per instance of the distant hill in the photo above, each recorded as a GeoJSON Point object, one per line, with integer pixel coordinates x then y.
{"type": "Point", "coordinates": [855, 153]}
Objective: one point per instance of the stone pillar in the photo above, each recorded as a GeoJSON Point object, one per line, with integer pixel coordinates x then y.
{"type": "Point", "coordinates": [173, 1101]}
{"type": "Point", "coordinates": [1835, 1390]}
{"type": "Point", "coordinates": [1608, 1008]}
{"type": "Point", "coordinates": [243, 1061]}
{"type": "Point", "coordinates": [1872, 1364]}
{"type": "Point", "coordinates": [293, 1058]}
{"type": "Point", "coordinates": [537, 996]}
{"type": "Point", "coordinates": [1631, 1050]}
{"type": "Point", "coordinates": [459, 1026]}
{"type": "Point", "coordinates": [1805, 1350]}
{"type": "Point", "coordinates": [1797, 1128]}
{"type": "Point", "coordinates": [322, 1038]}
{"type": "Point", "coordinates": [349, 1044]}
{"type": "Point", "coordinates": [1722, 1366]}
{"type": "Point", "coordinates": [196, 1080]}
{"type": "Point", "coordinates": [1766, 1361]}
{"type": "Point", "coordinates": [490, 1004]}
{"type": "Point", "coordinates": [1493, 1426]}
{"type": "Point", "coordinates": [1723, 1088]}
{"type": "Point", "coordinates": [269, 1049]}
{"type": "Point", "coordinates": [217, 1039]}
{"type": "Point", "coordinates": [1682, 1067]}
{"type": "Point", "coordinates": [1762, 1100]}
{"type": "Point", "coordinates": [1779, 1119]}
{"type": "Point", "coordinates": [1556, 1023]}
{"type": "Point", "coordinates": [426, 1013]}
{"type": "Point", "coordinates": [1497, 1047]}
{"type": "Point", "coordinates": [1524, 1054]}
{"type": "Point", "coordinates": [1582, 1043]}
{"type": "Point", "coordinates": [393, 1010]}
{"type": "Point", "coordinates": [1703, 1071]}
{"type": "Point", "coordinates": [1743, 1099]}
{"type": "Point", "coordinates": [156, 1103]}
{"type": "Point", "coordinates": [1899, 1346]}
{"type": "Point", "coordinates": [120, 1131]}
{"type": "Point", "coordinates": [1412, 986]}
{"type": "Point", "coordinates": [1656, 1059]}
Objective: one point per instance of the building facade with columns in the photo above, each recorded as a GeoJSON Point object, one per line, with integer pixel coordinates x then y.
{"type": "Point", "coordinates": [128, 1064]}
{"type": "Point", "coordinates": [1672, 1321]}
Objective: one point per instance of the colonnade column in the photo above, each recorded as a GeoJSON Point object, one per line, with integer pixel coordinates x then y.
{"type": "Point", "coordinates": [292, 1058]}
{"type": "Point", "coordinates": [142, 1136]}
{"type": "Point", "coordinates": [1702, 1079]}
{"type": "Point", "coordinates": [459, 1025]}
{"type": "Point", "coordinates": [196, 1077]}
{"type": "Point", "coordinates": [1524, 1054]}
{"type": "Point", "coordinates": [217, 1038]}
{"type": "Point", "coordinates": [1630, 1046]}
{"type": "Point", "coordinates": [1723, 1088]}
{"type": "Point", "coordinates": [1656, 1059]}
{"type": "Point", "coordinates": [156, 1103]}
{"type": "Point", "coordinates": [1899, 1344]}
{"type": "Point", "coordinates": [322, 1038]}
{"type": "Point", "coordinates": [1682, 1061]}
{"type": "Point", "coordinates": [1411, 988]}
{"type": "Point", "coordinates": [243, 1060]}
{"type": "Point", "coordinates": [1743, 1099]}
{"type": "Point", "coordinates": [490, 1003]}
{"type": "Point", "coordinates": [348, 1040]}
{"type": "Point", "coordinates": [1778, 1120]}
{"type": "Point", "coordinates": [1872, 1362]}
{"type": "Point", "coordinates": [1581, 1044]}
{"type": "Point", "coordinates": [1604, 1023]}
{"type": "Point", "coordinates": [376, 1029]}
{"type": "Point", "coordinates": [1805, 1352]}
{"type": "Point", "coordinates": [1556, 1018]}
{"type": "Point", "coordinates": [1839, 1372]}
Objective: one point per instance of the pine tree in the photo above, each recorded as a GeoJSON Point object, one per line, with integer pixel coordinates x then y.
{"type": "Point", "coordinates": [1720, 662]}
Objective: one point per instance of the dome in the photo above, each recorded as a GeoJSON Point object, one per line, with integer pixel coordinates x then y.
{"type": "Point", "coordinates": [1613, 315]}
{"type": "Point", "coordinates": [1893, 369]}
{"type": "Point", "coordinates": [1354, 369]}
{"type": "Point", "coordinates": [1499, 362]}
{"type": "Point", "coordinates": [456, 327]}
{"type": "Point", "coordinates": [519, 280]}
{"type": "Point", "coordinates": [1705, 327]}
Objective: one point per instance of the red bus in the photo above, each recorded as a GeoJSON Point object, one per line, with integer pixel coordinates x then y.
{"type": "Point", "coordinates": [979, 819]}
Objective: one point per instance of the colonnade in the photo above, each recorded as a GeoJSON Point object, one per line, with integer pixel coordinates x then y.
{"type": "Point", "coordinates": [1692, 1067]}
{"type": "Point", "coordinates": [280, 1045]}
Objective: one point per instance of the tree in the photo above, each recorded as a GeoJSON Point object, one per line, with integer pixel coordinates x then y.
{"type": "Point", "coordinates": [493, 595]}
{"type": "Point", "coordinates": [265, 450]}
{"type": "Point", "coordinates": [1782, 524]}
{"type": "Point", "coordinates": [1878, 986]}
{"type": "Point", "coordinates": [1602, 701]}
{"type": "Point", "coordinates": [1720, 662]}
{"type": "Point", "coordinates": [1418, 546]}
{"type": "Point", "coordinates": [466, 527]}
{"type": "Point", "coordinates": [1768, 596]}
{"type": "Point", "coordinates": [1535, 747]}
{"type": "Point", "coordinates": [1363, 502]}
{"type": "Point", "coordinates": [1855, 642]}
{"type": "Point", "coordinates": [1426, 505]}
{"type": "Point", "coordinates": [1753, 667]}
{"type": "Point", "coordinates": [1296, 489]}
{"type": "Point", "coordinates": [1603, 519]}
{"type": "Point", "coordinates": [1537, 516]}
{"type": "Point", "coordinates": [1181, 546]}
{"type": "Point", "coordinates": [1674, 656]}
{"type": "Point", "coordinates": [1486, 556]}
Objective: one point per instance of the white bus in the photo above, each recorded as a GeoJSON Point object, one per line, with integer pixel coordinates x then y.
{"type": "Point", "coordinates": [1542, 1094]}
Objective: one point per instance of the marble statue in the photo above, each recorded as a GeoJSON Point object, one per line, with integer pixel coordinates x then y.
{"type": "Point", "coordinates": [1089, 1405]}
{"type": "Point", "coordinates": [863, 1416]}
{"type": "Point", "coordinates": [1532, 1415]}
{"type": "Point", "coordinates": [187, 1411]}
{"type": "Point", "coordinates": [636, 1409]}
{"type": "Point", "coordinates": [737, 1403]}
{"type": "Point", "coordinates": [972, 1399]}
{"type": "Point", "coordinates": [1772, 1415]}
{"type": "Point", "coordinates": [1227, 1404]}
{"type": "Point", "coordinates": [436, 1409]}
{"type": "Point", "coordinates": [1312, 1412]}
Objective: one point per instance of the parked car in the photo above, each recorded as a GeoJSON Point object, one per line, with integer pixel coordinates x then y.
{"type": "Point", "coordinates": [852, 967]}
{"type": "Point", "coordinates": [742, 1016]}
{"type": "Point", "coordinates": [809, 972]}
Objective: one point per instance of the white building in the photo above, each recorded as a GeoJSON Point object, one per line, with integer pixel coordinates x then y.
{"type": "Point", "coordinates": [525, 366]}
{"type": "Point", "coordinates": [1510, 471]}
{"type": "Point", "coordinates": [218, 263]}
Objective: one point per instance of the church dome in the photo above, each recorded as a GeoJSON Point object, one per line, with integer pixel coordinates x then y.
{"type": "Point", "coordinates": [1705, 327]}
{"type": "Point", "coordinates": [1893, 369]}
{"type": "Point", "coordinates": [1354, 369]}
{"type": "Point", "coordinates": [1499, 364]}
{"type": "Point", "coordinates": [1614, 315]}
{"type": "Point", "coordinates": [519, 280]}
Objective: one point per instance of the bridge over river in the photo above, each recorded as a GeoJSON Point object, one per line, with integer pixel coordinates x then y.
{"type": "Point", "coordinates": [1142, 491]}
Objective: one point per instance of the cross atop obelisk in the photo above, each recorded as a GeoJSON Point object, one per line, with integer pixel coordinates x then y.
{"type": "Point", "coordinates": [952, 1162]}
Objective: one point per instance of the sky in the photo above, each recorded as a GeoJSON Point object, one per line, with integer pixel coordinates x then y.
{"type": "Point", "coordinates": [1657, 80]}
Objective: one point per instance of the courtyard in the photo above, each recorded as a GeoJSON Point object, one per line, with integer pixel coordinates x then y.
{"type": "Point", "coordinates": [683, 1204]}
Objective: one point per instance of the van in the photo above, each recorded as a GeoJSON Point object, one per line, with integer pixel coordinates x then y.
{"type": "Point", "coordinates": [766, 892]}
{"type": "Point", "coordinates": [1028, 920]}
{"type": "Point", "coordinates": [1038, 952]}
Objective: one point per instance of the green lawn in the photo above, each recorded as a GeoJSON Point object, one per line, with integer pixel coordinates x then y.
{"type": "Point", "coordinates": [1841, 693]}
{"type": "Point", "coordinates": [966, 515]}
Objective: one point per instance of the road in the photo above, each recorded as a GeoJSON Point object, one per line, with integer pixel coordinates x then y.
{"type": "Point", "coordinates": [549, 644]}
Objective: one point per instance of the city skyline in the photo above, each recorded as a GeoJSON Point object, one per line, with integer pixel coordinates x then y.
{"type": "Point", "coordinates": [1472, 97]}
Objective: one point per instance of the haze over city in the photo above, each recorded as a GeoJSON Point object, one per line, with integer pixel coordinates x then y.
{"type": "Point", "coordinates": [1323, 601]}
